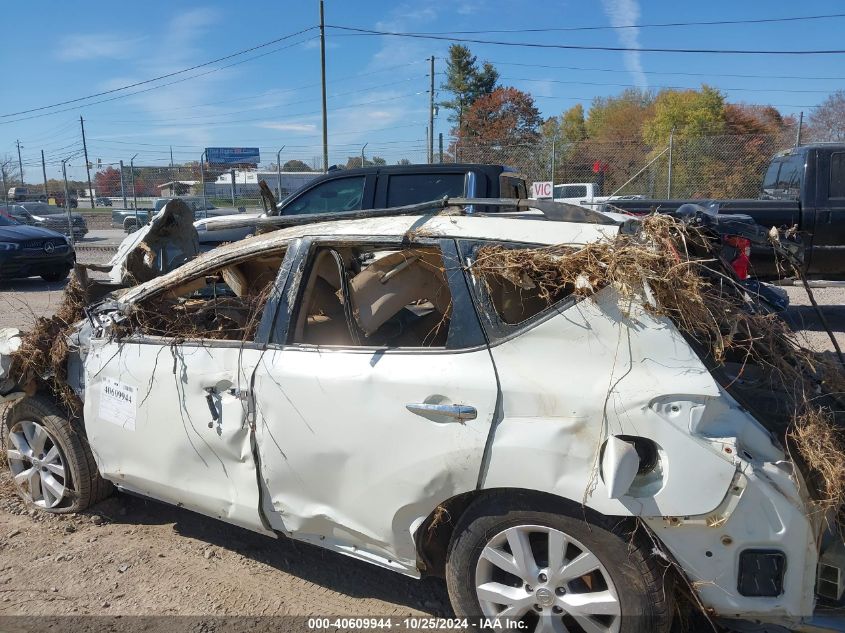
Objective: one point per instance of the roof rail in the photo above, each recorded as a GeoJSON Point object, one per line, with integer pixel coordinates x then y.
{"type": "Point", "coordinates": [556, 211]}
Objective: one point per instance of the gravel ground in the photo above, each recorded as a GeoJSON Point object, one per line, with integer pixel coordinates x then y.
{"type": "Point", "coordinates": [132, 557]}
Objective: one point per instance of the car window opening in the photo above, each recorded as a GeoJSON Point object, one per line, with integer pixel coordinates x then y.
{"type": "Point", "coordinates": [375, 298]}
{"type": "Point", "coordinates": [225, 304]}
{"type": "Point", "coordinates": [521, 282]}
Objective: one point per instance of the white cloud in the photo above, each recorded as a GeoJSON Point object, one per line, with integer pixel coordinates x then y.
{"type": "Point", "coordinates": [83, 46]}
{"type": "Point", "coordinates": [288, 127]}
{"type": "Point", "coordinates": [621, 13]}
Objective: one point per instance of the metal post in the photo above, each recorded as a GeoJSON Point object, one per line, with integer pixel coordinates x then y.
{"type": "Point", "coordinates": [67, 201]}
{"type": "Point", "coordinates": [431, 114]}
{"type": "Point", "coordinates": [134, 196]}
{"type": "Point", "coordinates": [232, 175]}
{"type": "Point", "coordinates": [279, 175]}
{"type": "Point", "coordinates": [87, 168]}
{"type": "Point", "coordinates": [202, 180]}
{"type": "Point", "coordinates": [671, 146]}
{"type": "Point", "coordinates": [441, 147]}
{"type": "Point", "coordinates": [20, 162]}
{"type": "Point", "coordinates": [323, 81]}
{"type": "Point", "coordinates": [5, 191]}
{"type": "Point", "coordinates": [553, 168]}
{"type": "Point", "coordinates": [362, 153]}
{"type": "Point", "coordinates": [44, 173]}
{"type": "Point", "coordinates": [798, 132]}
{"type": "Point", "coordinates": [122, 188]}
{"type": "Point", "coordinates": [456, 151]}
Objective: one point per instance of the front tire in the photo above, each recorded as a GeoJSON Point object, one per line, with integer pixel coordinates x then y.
{"type": "Point", "coordinates": [555, 568]}
{"type": "Point", "coordinates": [48, 455]}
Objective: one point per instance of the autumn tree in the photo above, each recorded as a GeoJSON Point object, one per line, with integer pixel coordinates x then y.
{"type": "Point", "coordinates": [295, 165]}
{"type": "Point", "coordinates": [690, 113]}
{"type": "Point", "coordinates": [107, 182]}
{"type": "Point", "coordinates": [827, 121]}
{"type": "Point", "coordinates": [403, 161]}
{"type": "Point", "coordinates": [465, 81]}
{"type": "Point", "coordinates": [620, 117]}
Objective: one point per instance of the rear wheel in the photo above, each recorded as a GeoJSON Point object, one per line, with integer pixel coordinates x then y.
{"type": "Point", "coordinates": [554, 570]}
{"type": "Point", "coordinates": [49, 458]}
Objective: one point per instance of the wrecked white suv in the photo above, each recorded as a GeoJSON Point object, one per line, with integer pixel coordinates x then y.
{"type": "Point", "coordinates": [560, 456]}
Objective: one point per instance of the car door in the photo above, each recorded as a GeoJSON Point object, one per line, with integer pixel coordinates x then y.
{"type": "Point", "coordinates": [170, 417]}
{"type": "Point", "coordinates": [828, 250]}
{"type": "Point", "coordinates": [361, 436]}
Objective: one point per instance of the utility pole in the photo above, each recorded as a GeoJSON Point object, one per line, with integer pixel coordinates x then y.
{"type": "Point", "coordinates": [20, 162]}
{"type": "Point", "coordinates": [798, 132]}
{"type": "Point", "coordinates": [431, 113]}
{"type": "Point", "coordinates": [87, 164]}
{"type": "Point", "coordinates": [323, 81]}
{"type": "Point", "coordinates": [44, 172]}
{"type": "Point", "coordinates": [122, 187]}
{"type": "Point", "coordinates": [278, 177]}
{"type": "Point", "coordinates": [67, 201]}
{"type": "Point", "coordinates": [5, 191]}
{"type": "Point", "coordinates": [171, 157]}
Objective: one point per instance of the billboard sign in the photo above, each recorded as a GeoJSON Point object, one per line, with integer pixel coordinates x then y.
{"type": "Point", "coordinates": [232, 155]}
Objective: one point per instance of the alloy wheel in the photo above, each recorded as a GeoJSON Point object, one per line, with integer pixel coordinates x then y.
{"type": "Point", "coordinates": [37, 465]}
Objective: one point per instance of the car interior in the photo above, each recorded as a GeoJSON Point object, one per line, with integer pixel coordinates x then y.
{"type": "Point", "coordinates": [374, 298]}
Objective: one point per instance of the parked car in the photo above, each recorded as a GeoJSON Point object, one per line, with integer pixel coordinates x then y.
{"type": "Point", "coordinates": [358, 385]}
{"type": "Point", "coordinates": [27, 251]}
{"type": "Point", "coordinates": [803, 187]}
{"type": "Point", "coordinates": [353, 190]}
{"type": "Point", "coordinates": [132, 219]}
{"type": "Point", "coordinates": [103, 202]}
{"type": "Point", "coordinates": [50, 217]}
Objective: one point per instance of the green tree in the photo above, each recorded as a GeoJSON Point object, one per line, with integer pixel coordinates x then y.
{"type": "Point", "coordinates": [295, 165]}
{"type": "Point", "coordinates": [621, 117]}
{"type": "Point", "coordinates": [690, 113]}
{"type": "Point", "coordinates": [465, 81]}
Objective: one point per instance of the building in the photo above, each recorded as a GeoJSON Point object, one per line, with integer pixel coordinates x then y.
{"type": "Point", "coordinates": [176, 188]}
{"type": "Point", "coordinates": [246, 182]}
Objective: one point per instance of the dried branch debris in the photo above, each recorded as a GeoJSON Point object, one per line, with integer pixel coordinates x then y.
{"type": "Point", "coordinates": [677, 272]}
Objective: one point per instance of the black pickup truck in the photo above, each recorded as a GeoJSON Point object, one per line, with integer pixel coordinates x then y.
{"type": "Point", "coordinates": [351, 190]}
{"type": "Point", "coordinates": [803, 187]}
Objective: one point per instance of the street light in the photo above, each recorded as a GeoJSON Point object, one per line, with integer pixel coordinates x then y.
{"type": "Point", "coordinates": [134, 197]}
{"type": "Point", "coordinates": [278, 172]}
{"type": "Point", "coordinates": [202, 180]}
{"type": "Point", "coordinates": [67, 200]}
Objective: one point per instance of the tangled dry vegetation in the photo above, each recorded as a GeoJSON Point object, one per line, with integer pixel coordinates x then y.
{"type": "Point", "coordinates": [676, 270]}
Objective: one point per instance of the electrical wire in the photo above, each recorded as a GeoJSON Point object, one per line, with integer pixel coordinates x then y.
{"type": "Point", "coordinates": [581, 47]}
{"type": "Point", "coordinates": [165, 76]}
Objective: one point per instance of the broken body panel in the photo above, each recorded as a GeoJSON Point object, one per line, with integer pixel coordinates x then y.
{"type": "Point", "coordinates": [325, 443]}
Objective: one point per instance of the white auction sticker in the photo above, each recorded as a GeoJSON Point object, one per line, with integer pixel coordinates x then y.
{"type": "Point", "coordinates": [118, 403]}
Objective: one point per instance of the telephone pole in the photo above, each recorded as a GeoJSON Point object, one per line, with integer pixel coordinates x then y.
{"type": "Point", "coordinates": [431, 114]}
{"type": "Point", "coordinates": [20, 162]}
{"type": "Point", "coordinates": [87, 164]}
{"type": "Point", "coordinates": [44, 172]}
{"type": "Point", "coordinates": [323, 81]}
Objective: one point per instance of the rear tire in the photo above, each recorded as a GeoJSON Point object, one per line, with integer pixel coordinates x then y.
{"type": "Point", "coordinates": [49, 457]}
{"type": "Point", "coordinates": [613, 583]}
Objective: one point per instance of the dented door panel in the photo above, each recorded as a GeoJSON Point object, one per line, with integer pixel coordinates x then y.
{"type": "Point", "coordinates": [152, 431]}
{"type": "Point", "coordinates": [346, 464]}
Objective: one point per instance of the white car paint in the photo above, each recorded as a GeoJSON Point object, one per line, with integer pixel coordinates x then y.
{"type": "Point", "coordinates": [342, 463]}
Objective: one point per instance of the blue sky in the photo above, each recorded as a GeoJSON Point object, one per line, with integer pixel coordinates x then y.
{"type": "Point", "coordinates": [377, 84]}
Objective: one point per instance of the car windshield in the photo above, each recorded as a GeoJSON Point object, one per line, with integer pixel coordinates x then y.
{"type": "Point", "coordinates": [6, 221]}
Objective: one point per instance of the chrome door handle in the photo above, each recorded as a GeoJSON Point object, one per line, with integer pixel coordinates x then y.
{"type": "Point", "coordinates": [455, 411]}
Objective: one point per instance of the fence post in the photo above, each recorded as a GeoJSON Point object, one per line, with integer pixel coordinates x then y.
{"type": "Point", "coordinates": [456, 151]}
{"type": "Point", "coordinates": [441, 147]}
{"type": "Point", "coordinates": [553, 168]}
{"type": "Point", "coordinates": [202, 180]}
{"type": "Point", "coordinates": [232, 174]}
{"type": "Point", "coordinates": [798, 132]}
{"type": "Point", "coordinates": [122, 188]}
{"type": "Point", "coordinates": [671, 144]}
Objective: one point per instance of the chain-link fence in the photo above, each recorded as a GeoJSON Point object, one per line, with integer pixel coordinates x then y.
{"type": "Point", "coordinates": [702, 167]}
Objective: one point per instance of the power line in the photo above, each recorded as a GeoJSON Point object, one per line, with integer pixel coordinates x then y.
{"type": "Point", "coordinates": [164, 85]}
{"type": "Point", "coordinates": [719, 51]}
{"type": "Point", "coordinates": [165, 76]}
{"type": "Point", "coordinates": [638, 26]}
{"type": "Point", "coordinates": [596, 83]}
{"type": "Point", "coordinates": [655, 72]}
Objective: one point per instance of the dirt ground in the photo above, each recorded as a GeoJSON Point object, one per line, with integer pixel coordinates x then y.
{"type": "Point", "coordinates": [132, 557]}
